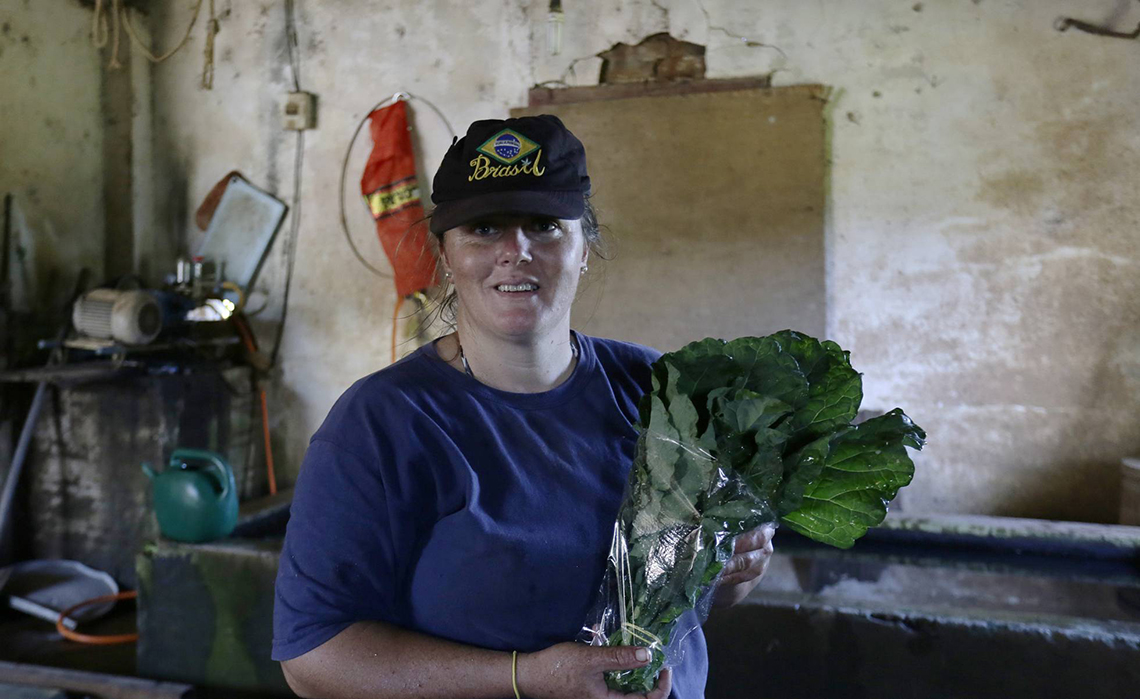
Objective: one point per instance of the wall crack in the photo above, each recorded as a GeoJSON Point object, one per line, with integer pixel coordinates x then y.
{"type": "Point", "coordinates": [664, 12]}
{"type": "Point", "coordinates": [751, 43]}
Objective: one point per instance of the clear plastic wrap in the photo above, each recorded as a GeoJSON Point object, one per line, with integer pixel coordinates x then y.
{"type": "Point", "coordinates": [672, 539]}
{"type": "Point", "coordinates": [735, 435]}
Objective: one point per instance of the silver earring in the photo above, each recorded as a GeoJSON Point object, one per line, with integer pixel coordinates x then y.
{"type": "Point", "coordinates": [584, 269]}
{"type": "Point", "coordinates": [447, 276]}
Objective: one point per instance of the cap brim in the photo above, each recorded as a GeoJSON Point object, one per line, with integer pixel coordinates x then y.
{"type": "Point", "coordinates": [449, 214]}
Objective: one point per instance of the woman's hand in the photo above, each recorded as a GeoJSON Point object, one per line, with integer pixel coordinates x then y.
{"type": "Point", "coordinates": [743, 571]}
{"type": "Point", "coordinates": [576, 671]}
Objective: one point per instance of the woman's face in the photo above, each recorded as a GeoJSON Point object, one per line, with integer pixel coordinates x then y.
{"type": "Point", "coordinates": [515, 275]}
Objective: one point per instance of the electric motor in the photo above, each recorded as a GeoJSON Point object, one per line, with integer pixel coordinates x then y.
{"type": "Point", "coordinates": [130, 317]}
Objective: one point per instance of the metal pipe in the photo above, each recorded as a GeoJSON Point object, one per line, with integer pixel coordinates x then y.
{"type": "Point", "coordinates": [27, 606]}
{"type": "Point", "coordinates": [5, 246]}
{"type": "Point", "coordinates": [1074, 558]}
{"type": "Point", "coordinates": [13, 477]}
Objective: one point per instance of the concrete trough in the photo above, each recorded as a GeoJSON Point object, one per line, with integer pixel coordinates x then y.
{"type": "Point", "coordinates": [923, 607]}
{"type": "Point", "coordinates": [932, 607]}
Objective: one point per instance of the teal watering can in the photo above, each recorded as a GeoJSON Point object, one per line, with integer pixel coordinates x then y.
{"type": "Point", "coordinates": [195, 497]}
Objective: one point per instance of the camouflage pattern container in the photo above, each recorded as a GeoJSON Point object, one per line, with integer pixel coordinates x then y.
{"type": "Point", "coordinates": [205, 614]}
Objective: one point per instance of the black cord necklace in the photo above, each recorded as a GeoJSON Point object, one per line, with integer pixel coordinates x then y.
{"type": "Point", "coordinates": [467, 367]}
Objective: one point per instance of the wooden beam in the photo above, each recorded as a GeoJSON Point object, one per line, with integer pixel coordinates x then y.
{"type": "Point", "coordinates": [105, 686]}
{"type": "Point", "coordinates": [140, 5]}
{"type": "Point", "coordinates": [544, 96]}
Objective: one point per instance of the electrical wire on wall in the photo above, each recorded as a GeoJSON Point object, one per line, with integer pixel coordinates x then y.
{"type": "Point", "coordinates": [290, 251]}
{"type": "Point", "coordinates": [295, 207]}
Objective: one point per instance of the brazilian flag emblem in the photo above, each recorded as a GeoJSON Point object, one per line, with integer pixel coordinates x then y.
{"type": "Point", "coordinates": [508, 146]}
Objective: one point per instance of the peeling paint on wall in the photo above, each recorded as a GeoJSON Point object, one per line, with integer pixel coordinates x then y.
{"type": "Point", "coordinates": [982, 237]}
{"type": "Point", "coordinates": [51, 141]}
{"type": "Point", "coordinates": [657, 57]}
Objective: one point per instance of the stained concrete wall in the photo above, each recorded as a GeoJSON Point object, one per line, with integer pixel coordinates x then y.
{"type": "Point", "coordinates": [75, 154]}
{"type": "Point", "coordinates": [51, 147]}
{"type": "Point", "coordinates": [982, 235]}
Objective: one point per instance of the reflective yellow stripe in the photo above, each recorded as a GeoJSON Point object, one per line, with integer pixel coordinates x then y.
{"type": "Point", "coordinates": [385, 201]}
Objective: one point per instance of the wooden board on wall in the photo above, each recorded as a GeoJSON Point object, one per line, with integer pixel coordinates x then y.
{"type": "Point", "coordinates": [714, 201]}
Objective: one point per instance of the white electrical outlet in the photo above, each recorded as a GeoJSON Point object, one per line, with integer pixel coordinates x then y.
{"type": "Point", "coordinates": [300, 111]}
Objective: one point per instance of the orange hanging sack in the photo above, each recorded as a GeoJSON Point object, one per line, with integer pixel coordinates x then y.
{"type": "Point", "coordinates": [391, 189]}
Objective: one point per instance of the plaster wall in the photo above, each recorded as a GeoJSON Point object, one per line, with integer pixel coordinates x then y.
{"type": "Point", "coordinates": [982, 237]}
{"type": "Point", "coordinates": [51, 148]}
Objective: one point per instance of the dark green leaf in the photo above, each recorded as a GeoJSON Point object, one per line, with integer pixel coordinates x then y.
{"type": "Point", "coordinates": [801, 469]}
{"type": "Point", "coordinates": [866, 466]}
{"type": "Point", "coordinates": [735, 434]}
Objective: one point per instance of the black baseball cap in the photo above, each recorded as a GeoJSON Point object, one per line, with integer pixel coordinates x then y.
{"type": "Point", "coordinates": [527, 165]}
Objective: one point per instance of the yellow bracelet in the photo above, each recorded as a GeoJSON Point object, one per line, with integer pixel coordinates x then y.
{"type": "Point", "coordinates": [515, 673]}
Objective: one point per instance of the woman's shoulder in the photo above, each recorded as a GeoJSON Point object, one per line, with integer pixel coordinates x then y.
{"type": "Point", "coordinates": [393, 382]}
{"type": "Point", "coordinates": [627, 366]}
{"type": "Point", "coordinates": [626, 372]}
{"type": "Point", "coordinates": [380, 396]}
{"type": "Point", "coordinates": [621, 353]}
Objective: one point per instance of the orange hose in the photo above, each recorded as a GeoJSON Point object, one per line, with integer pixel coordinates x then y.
{"type": "Point", "coordinates": [396, 324]}
{"type": "Point", "coordinates": [246, 333]}
{"type": "Point", "coordinates": [96, 640]}
{"type": "Point", "coordinates": [268, 446]}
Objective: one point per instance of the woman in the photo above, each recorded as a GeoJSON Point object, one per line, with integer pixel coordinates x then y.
{"type": "Point", "coordinates": [453, 514]}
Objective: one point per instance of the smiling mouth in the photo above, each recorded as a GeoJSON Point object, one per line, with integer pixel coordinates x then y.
{"type": "Point", "coordinates": [516, 288]}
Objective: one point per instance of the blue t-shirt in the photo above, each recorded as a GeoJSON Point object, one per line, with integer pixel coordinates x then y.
{"type": "Point", "coordinates": [436, 503]}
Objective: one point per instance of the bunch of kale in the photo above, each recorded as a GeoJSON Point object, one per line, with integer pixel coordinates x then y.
{"type": "Point", "coordinates": [734, 435]}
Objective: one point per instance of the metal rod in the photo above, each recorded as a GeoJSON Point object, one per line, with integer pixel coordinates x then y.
{"type": "Point", "coordinates": [39, 611]}
{"type": "Point", "coordinates": [18, 464]}
{"type": "Point", "coordinates": [5, 292]}
{"type": "Point", "coordinates": [1064, 23]}
{"type": "Point", "coordinates": [1104, 562]}
{"type": "Point", "coordinates": [13, 477]}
